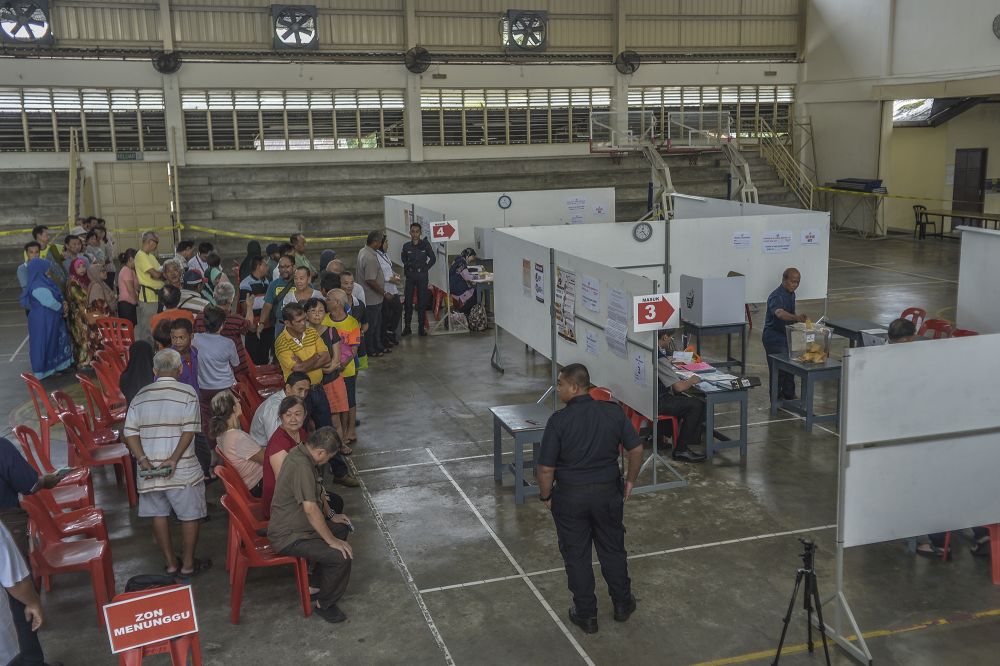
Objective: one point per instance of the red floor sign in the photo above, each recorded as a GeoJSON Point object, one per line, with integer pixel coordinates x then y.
{"type": "Point", "coordinates": [150, 618]}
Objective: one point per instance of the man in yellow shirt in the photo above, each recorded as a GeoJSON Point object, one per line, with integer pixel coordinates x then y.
{"type": "Point", "coordinates": [150, 274]}
{"type": "Point", "coordinates": [299, 349]}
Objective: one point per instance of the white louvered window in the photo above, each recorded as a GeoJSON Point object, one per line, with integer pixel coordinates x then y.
{"type": "Point", "coordinates": [707, 108]}
{"type": "Point", "coordinates": [508, 116]}
{"type": "Point", "coordinates": [40, 119]}
{"type": "Point", "coordinates": [293, 119]}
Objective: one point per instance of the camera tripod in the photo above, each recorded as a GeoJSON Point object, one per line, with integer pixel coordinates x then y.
{"type": "Point", "coordinates": [810, 601]}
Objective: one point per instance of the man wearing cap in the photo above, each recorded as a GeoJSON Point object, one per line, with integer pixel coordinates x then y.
{"type": "Point", "coordinates": [191, 298]}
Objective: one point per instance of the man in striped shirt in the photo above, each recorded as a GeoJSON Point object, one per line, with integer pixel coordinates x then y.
{"type": "Point", "coordinates": [159, 428]}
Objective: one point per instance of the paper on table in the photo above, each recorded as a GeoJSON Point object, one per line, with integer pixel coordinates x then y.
{"type": "Point", "coordinates": [684, 356]}
{"type": "Point", "coordinates": [698, 367]}
{"type": "Point", "coordinates": [708, 388]}
{"type": "Point", "coordinates": [716, 376]}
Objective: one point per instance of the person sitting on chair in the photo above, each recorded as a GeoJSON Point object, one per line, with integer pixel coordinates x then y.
{"type": "Point", "coordinates": [672, 402]}
{"type": "Point", "coordinates": [460, 280]}
{"type": "Point", "coordinates": [901, 330]}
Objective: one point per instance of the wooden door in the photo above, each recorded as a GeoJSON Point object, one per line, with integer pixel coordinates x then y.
{"type": "Point", "coordinates": [135, 197]}
{"type": "Point", "coordinates": [970, 171]}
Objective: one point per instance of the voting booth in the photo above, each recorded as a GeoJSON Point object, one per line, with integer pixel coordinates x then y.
{"type": "Point", "coordinates": [978, 275]}
{"type": "Point", "coordinates": [713, 301]}
{"type": "Point", "coordinates": [892, 452]}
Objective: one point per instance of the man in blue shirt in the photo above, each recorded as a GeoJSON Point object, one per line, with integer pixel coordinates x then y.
{"type": "Point", "coordinates": [781, 313]}
{"type": "Point", "coordinates": [17, 477]}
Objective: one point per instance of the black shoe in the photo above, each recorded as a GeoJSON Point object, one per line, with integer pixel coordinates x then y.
{"type": "Point", "coordinates": [331, 614]}
{"type": "Point", "coordinates": [588, 624]}
{"type": "Point", "coordinates": [407, 331]}
{"type": "Point", "coordinates": [687, 455]}
{"type": "Point", "coordinates": [423, 333]}
{"type": "Point", "coordinates": [623, 611]}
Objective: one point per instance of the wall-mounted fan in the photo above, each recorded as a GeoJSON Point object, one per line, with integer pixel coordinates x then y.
{"type": "Point", "coordinates": [627, 62]}
{"type": "Point", "coordinates": [293, 27]}
{"type": "Point", "coordinates": [526, 30]}
{"type": "Point", "coordinates": [25, 22]}
{"type": "Point", "coordinates": [166, 62]}
{"type": "Point", "coordinates": [417, 59]}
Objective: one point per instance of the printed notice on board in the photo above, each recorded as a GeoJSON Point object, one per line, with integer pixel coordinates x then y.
{"type": "Point", "coordinates": [590, 293]}
{"type": "Point", "coordinates": [576, 204]}
{"type": "Point", "coordinates": [540, 283]}
{"type": "Point", "coordinates": [742, 240]}
{"type": "Point", "coordinates": [565, 302]}
{"type": "Point", "coordinates": [639, 369]}
{"type": "Point", "coordinates": [618, 306]}
{"type": "Point", "coordinates": [809, 237]}
{"type": "Point", "coordinates": [592, 342]}
{"type": "Point", "coordinates": [526, 277]}
{"type": "Point", "coordinates": [576, 219]}
{"type": "Point", "coordinates": [614, 334]}
{"type": "Point", "coordinates": [776, 242]}
{"type": "Point", "coordinates": [600, 210]}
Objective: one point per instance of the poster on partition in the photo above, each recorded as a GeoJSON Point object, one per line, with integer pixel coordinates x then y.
{"type": "Point", "coordinates": [407, 218]}
{"type": "Point", "coordinates": [592, 343]}
{"type": "Point", "coordinates": [618, 306]}
{"type": "Point", "coordinates": [590, 293]}
{"type": "Point", "coordinates": [526, 277]}
{"type": "Point", "coordinates": [776, 242]}
{"type": "Point", "coordinates": [615, 334]}
{"type": "Point", "coordinates": [539, 283]}
{"type": "Point", "coordinates": [565, 304]}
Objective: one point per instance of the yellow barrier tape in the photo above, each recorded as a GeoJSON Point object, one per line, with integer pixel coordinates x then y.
{"type": "Point", "coordinates": [236, 234]}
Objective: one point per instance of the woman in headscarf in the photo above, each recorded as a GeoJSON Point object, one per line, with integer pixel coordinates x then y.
{"type": "Point", "coordinates": [101, 299]}
{"type": "Point", "coordinates": [77, 288]}
{"type": "Point", "coordinates": [49, 343]}
{"type": "Point", "coordinates": [460, 280]}
{"type": "Point", "coordinates": [139, 371]}
{"type": "Point", "coordinates": [253, 250]}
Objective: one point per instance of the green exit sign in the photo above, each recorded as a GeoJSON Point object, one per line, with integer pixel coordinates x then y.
{"type": "Point", "coordinates": [128, 156]}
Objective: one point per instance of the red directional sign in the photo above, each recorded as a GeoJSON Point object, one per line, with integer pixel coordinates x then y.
{"type": "Point", "coordinates": [445, 230]}
{"type": "Point", "coordinates": [149, 618]}
{"type": "Point", "coordinates": [656, 311]}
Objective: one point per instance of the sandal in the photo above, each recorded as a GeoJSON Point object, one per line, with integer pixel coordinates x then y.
{"type": "Point", "coordinates": [981, 548]}
{"type": "Point", "coordinates": [933, 552]}
{"type": "Point", "coordinates": [346, 450]}
{"type": "Point", "coordinates": [199, 566]}
{"type": "Point", "coordinates": [177, 569]}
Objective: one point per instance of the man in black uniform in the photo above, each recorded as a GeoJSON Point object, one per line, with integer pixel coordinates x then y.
{"type": "Point", "coordinates": [417, 257]}
{"type": "Point", "coordinates": [580, 453]}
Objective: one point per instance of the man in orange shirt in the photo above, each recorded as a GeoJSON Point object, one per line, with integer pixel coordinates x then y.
{"type": "Point", "coordinates": [170, 296]}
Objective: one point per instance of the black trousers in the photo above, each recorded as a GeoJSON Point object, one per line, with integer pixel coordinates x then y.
{"type": "Point", "coordinates": [392, 311]}
{"type": "Point", "coordinates": [128, 311]}
{"type": "Point", "coordinates": [259, 348]}
{"type": "Point", "coordinates": [691, 414]}
{"type": "Point", "coordinates": [331, 570]}
{"type": "Point", "coordinates": [786, 380]}
{"type": "Point", "coordinates": [588, 515]}
{"type": "Point", "coordinates": [415, 282]}
{"type": "Point", "coordinates": [373, 336]}
{"type": "Point", "coordinates": [318, 409]}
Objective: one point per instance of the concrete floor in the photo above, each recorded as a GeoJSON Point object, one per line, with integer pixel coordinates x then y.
{"type": "Point", "coordinates": [446, 564]}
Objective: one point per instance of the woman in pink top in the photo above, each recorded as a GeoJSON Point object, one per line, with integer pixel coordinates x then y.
{"type": "Point", "coordinates": [238, 448]}
{"type": "Point", "coordinates": [128, 286]}
{"type": "Point", "coordinates": [289, 434]}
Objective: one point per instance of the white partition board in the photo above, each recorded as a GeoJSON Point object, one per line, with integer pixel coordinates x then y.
{"type": "Point", "coordinates": [610, 244]}
{"type": "Point", "coordinates": [896, 448]}
{"type": "Point", "coordinates": [978, 275]}
{"type": "Point", "coordinates": [607, 369]}
{"type": "Point", "coordinates": [528, 207]}
{"type": "Point", "coordinates": [515, 307]}
{"type": "Point", "coordinates": [707, 248]}
{"type": "Point", "coordinates": [704, 207]}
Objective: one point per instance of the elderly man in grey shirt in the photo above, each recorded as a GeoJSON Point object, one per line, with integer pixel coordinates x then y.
{"type": "Point", "coordinates": [369, 273]}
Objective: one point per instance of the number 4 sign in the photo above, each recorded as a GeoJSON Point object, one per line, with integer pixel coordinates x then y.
{"type": "Point", "coordinates": [656, 311]}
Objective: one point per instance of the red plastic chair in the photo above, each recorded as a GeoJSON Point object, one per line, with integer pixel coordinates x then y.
{"type": "Point", "coordinates": [91, 455]}
{"type": "Point", "coordinates": [916, 315]}
{"type": "Point", "coordinates": [109, 375]}
{"type": "Point", "coordinates": [255, 551]}
{"type": "Point", "coordinates": [101, 436]}
{"type": "Point", "coordinates": [46, 412]}
{"type": "Point", "coordinates": [74, 491]}
{"type": "Point", "coordinates": [251, 394]}
{"type": "Point", "coordinates": [995, 551]}
{"type": "Point", "coordinates": [940, 327]}
{"type": "Point", "coordinates": [601, 393]}
{"type": "Point", "coordinates": [178, 648]}
{"type": "Point", "coordinates": [247, 406]}
{"type": "Point", "coordinates": [638, 421]}
{"type": "Point", "coordinates": [88, 522]}
{"type": "Point", "coordinates": [962, 333]}
{"type": "Point", "coordinates": [234, 485]}
{"type": "Point", "coordinates": [263, 377]}
{"type": "Point", "coordinates": [115, 360]}
{"type": "Point", "coordinates": [116, 332]}
{"type": "Point", "coordinates": [101, 413]}
{"type": "Point", "coordinates": [51, 556]}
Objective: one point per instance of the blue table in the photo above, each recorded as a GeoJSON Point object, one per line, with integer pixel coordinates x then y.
{"type": "Point", "coordinates": [526, 424]}
{"type": "Point", "coordinates": [810, 373]}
